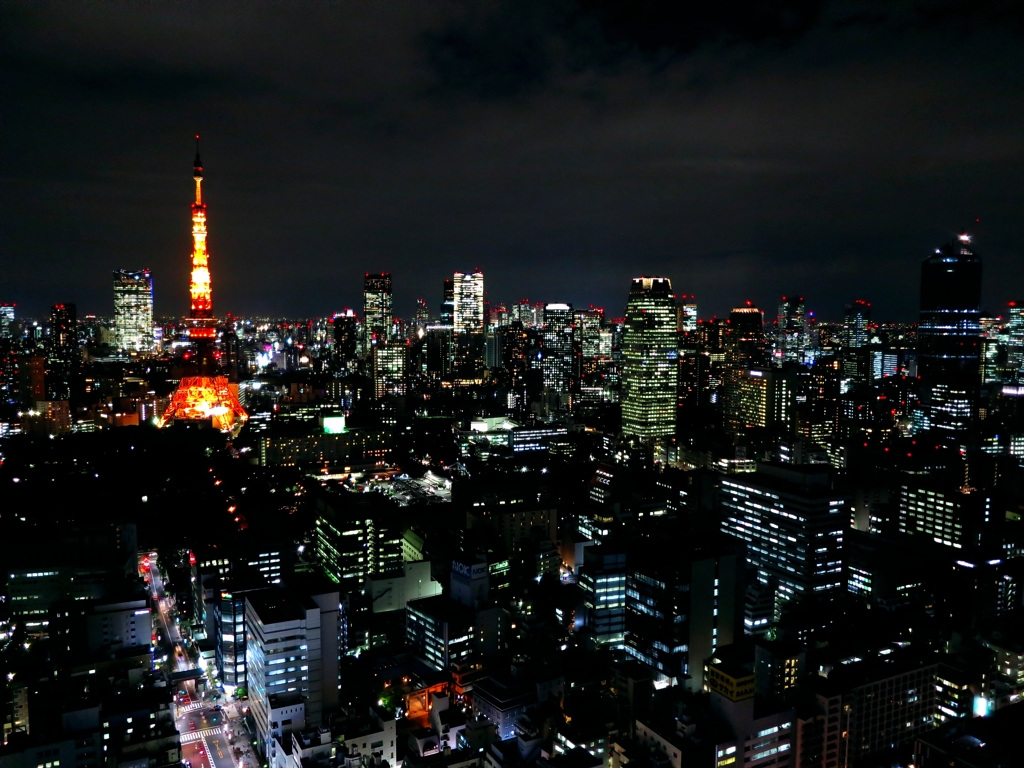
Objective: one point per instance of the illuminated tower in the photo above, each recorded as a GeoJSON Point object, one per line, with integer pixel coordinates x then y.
{"type": "Point", "coordinates": [377, 307]}
{"type": "Point", "coordinates": [468, 297]}
{"type": "Point", "coordinates": [791, 332]}
{"type": "Point", "coordinates": [205, 398]}
{"type": "Point", "coordinates": [949, 337]}
{"type": "Point", "coordinates": [133, 310]}
{"type": "Point", "coordinates": [856, 332]}
{"type": "Point", "coordinates": [650, 371]}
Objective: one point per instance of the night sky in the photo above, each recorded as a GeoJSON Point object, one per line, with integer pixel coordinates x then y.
{"type": "Point", "coordinates": [744, 149]}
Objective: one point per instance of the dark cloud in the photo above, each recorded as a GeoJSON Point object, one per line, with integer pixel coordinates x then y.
{"type": "Point", "coordinates": [746, 151]}
{"type": "Point", "coordinates": [500, 49]}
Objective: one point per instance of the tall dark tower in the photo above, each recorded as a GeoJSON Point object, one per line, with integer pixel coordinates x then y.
{"type": "Point", "coordinates": [448, 303]}
{"type": "Point", "coordinates": [62, 354]}
{"type": "Point", "coordinates": [949, 338]}
{"type": "Point", "coordinates": [745, 340]}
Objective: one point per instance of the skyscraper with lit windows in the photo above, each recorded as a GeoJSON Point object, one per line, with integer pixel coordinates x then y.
{"type": "Point", "coordinates": [744, 340]}
{"type": "Point", "coordinates": [63, 356]}
{"type": "Point", "coordinates": [378, 303]}
{"type": "Point", "coordinates": [791, 330]}
{"type": "Point", "coordinates": [949, 337]}
{"type": "Point", "coordinates": [650, 359]}
{"type": "Point", "coordinates": [133, 310]}
{"type": "Point", "coordinates": [856, 320]}
{"type": "Point", "coordinates": [468, 298]}
{"type": "Point", "coordinates": [6, 320]}
{"type": "Point", "coordinates": [558, 349]}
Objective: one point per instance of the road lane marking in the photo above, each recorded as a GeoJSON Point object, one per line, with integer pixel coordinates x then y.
{"type": "Point", "coordinates": [191, 736]}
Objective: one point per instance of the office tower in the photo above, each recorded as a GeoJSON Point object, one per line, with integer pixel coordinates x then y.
{"type": "Point", "coordinates": [377, 308]}
{"type": "Point", "coordinates": [468, 298]}
{"type": "Point", "coordinates": [686, 313]}
{"type": "Point", "coordinates": [448, 303]}
{"type": "Point", "coordinates": [468, 343]}
{"type": "Point", "coordinates": [949, 338]}
{"type": "Point", "coordinates": [231, 635]}
{"type": "Point", "coordinates": [439, 351]}
{"type": "Point", "coordinates": [602, 581]}
{"type": "Point", "coordinates": [133, 310]}
{"type": "Point", "coordinates": [492, 348]}
{"type": "Point", "coordinates": [205, 398]}
{"type": "Point", "coordinates": [6, 320]}
{"type": "Point", "coordinates": [355, 538]}
{"type": "Point", "coordinates": [62, 353]}
{"type": "Point", "coordinates": [1012, 338]}
{"type": "Point", "coordinates": [945, 514]}
{"type": "Point", "coordinates": [291, 658]}
{"type": "Point", "coordinates": [793, 523]}
{"type": "Point", "coordinates": [389, 369]}
{"type": "Point", "coordinates": [441, 630]}
{"type": "Point", "coordinates": [856, 322]}
{"type": "Point", "coordinates": [750, 399]}
{"type": "Point", "coordinates": [682, 601]}
{"type": "Point", "coordinates": [744, 339]}
{"type": "Point", "coordinates": [468, 350]}
{"type": "Point", "coordinates": [791, 331]}
{"type": "Point", "coordinates": [499, 316]}
{"type": "Point", "coordinates": [650, 355]}
{"type": "Point", "coordinates": [557, 363]}
{"type": "Point", "coordinates": [589, 323]}
{"type": "Point", "coordinates": [421, 320]}
{"type": "Point", "coordinates": [346, 334]}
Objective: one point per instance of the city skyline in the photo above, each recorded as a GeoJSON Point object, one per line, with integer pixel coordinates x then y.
{"type": "Point", "coordinates": [518, 384]}
{"type": "Point", "coordinates": [722, 168]}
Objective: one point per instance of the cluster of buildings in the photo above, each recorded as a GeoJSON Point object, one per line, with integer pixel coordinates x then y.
{"type": "Point", "coordinates": [539, 536]}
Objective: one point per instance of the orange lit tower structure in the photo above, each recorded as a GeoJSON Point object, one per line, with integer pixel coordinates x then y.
{"type": "Point", "coordinates": [206, 397]}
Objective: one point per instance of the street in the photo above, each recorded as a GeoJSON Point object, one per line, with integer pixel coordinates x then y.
{"type": "Point", "coordinates": [210, 734]}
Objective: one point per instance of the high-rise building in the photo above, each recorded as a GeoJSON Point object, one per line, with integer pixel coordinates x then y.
{"type": "Point", "coordinates": [389, 369]}
{"type": "Point", "coordinates": [949, 515]}
{"type": "Point", "coordinates": [856, 322]}
{"type": "Point", "coordinates": [468, 316]}
{"type": "Point", "coordinates": [206, 397]}
{"type": "Point", "coordinates": [1012, 338]}
{"type": "Point", "coordinates": [686, 313]}
{"type": "Point", "coordinates": [589, 323]}
{"type": "Point", "coordinates": [793, 522]}
{"type": "Point", "coordinates": [468, 297]}
{"type": "Point", "coordinates": [377, 307]}
{"type": "Point", "coordinates": [133, 310]}
{"type": "Point", "coordinates": [681, 603]}
{"type": "Point", "coordinates": [291, 658]}
{"type": "Point", "coordinates": [602, 581]}
{"type": "Point", "coordinates": [448, 303]}
{"type": "Point", "coordinates": [791, 330]}
{"type": "Point", "coordinates": [650, 354]}
{"type": "Point", "coordinates": [346, 334]}
{"type": "Point", "coordinates": [62, 353]}
{"type": "Point", "coordinates": [751, 398]}
{"type": "Point", "coordinates": [6, 320]}
{"type": "Point", "coordinates": [744, 340]}
{"type": "Point", "coordinates": [949, 338]}
{"type": "Point", "coordinates": [557, 350]}
{"type": "Point", "coordinates": [421, 320]}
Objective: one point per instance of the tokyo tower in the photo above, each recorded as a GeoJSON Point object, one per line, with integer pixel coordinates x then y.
{"type": "Point", "coordinates": [205, 398]}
